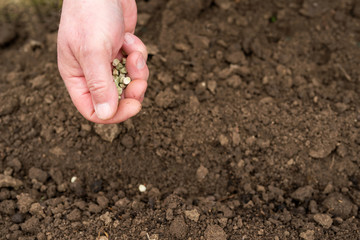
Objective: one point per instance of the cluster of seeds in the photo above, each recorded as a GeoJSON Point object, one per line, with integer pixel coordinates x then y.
{"type": "Point", "coordinates": [120, 75]}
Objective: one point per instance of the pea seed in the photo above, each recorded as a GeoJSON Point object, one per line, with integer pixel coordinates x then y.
{"type": "Point", "coordinates": [115, 72]}
{"type": "Point", "coordinates": [123, 70]}
{"type": "Point", "coordinates": [115, 62]}
{"type": "Point", "coordinates": [127, 80]}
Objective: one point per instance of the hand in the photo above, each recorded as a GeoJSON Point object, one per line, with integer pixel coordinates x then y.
{"type": "Point", "coordinates": [91, 34]}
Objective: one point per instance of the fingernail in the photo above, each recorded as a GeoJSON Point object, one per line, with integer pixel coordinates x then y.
{"type": "Point", "coordinates": [140, 63]}
{"type": "Point", "coordinates": [103, 111]}
{"type": "Point", "coordinates": [128, 39]}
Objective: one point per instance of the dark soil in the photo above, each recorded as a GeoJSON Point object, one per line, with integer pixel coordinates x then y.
{"type": "Point", "coordinates": [249, 129]}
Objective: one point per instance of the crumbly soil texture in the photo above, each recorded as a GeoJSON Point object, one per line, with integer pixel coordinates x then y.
{"type": "Point", "coordinates": [249, 128]}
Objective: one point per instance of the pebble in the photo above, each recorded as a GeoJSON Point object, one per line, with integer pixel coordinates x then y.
{"type": "Point", "coordinates": [192, 215]}
{"type": "Point", "coordinates": [211, 85]}
{"type": "Point", "coordinates": [107, 132]}
{"type": "Point", "coordinates": [106, 218]}
{"type": "Point", "coordinates": [322, 150]}
{"type": "Point", "coordinates": [214, 232]}
{"type": "Point", "coordinates": [74, 215]}
{"type": "Point", "coordinates": [7, 207]}
{"type": "Point", "coordinates": [37, 210]}
{"type": "Point", "coordinates": [235, 57]}
{"type": "Point", "coordinates": [56, 175]}
{"type": "Point", "coordinates": [94, 208]}
{"type": "Point", "coordinates": [324, 220]}
{"type": "Point", "coordinates": [38, 174]}
{"type": "Point", "coordinates": [302, 193]}
{"type": "Point", "coordinates": [18, 218]}
{"type": "Point", "coordinates": [224, 141]}
{"type": "Point", "coordinates": [339, 205]}
{"type": "Point", "coordinates": [308, 235]}
{"type": "Point", "coordinates": [24, 202]}
{"type": "Point", "coordinates": [178, 228]}
{"type": "Point", "coordinates": [127, 141]}
{"type": "Point", "coordinates": [234, 81]}
{"type": "Point", "coordinates": [8, 181]}
{"type": "Point", "coordinates": [39, 82]}
{"type": "Point", "coordinates": [102, 201]}
{"type": "Point", "coordinates": [201, 173]}
{"type": "Point", "coordinates": [31, 225]}
{"type": "Point", "coordinates": [9, 104]}
{"type": "Point", "coordinates": [165, 99]}
{"type": "Point", "coordinates": [313, 207]}
{"type": "Point", "coordinates": [15, 164]}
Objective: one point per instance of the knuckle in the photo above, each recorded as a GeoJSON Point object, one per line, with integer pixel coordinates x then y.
{"type": "Point", "coordinates": [97, 87]}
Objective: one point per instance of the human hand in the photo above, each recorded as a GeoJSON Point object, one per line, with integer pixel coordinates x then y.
{"type": "Point", "coordinates": [91, 34]}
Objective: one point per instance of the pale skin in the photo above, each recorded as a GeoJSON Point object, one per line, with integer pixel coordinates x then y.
{"type": "Point", "coordinates": [91, 34]}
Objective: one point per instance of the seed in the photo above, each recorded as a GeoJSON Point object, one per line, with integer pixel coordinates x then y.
{"type": "Point", "coordinates": [122, 85]}
{"type": "Point", "coordinates": [119, 66]}
{"type": "Point", "coordinates": [123, 61]}
{"type": "Point", "coordinates": [115, 62]}
{"type": "Point", "coordinates": [120, 91]}
{"type": "Point", "coordinates": [127, 80]}
{"type": "Point", "coordinates": [123, 70]}
{"type": "Point", "coordinates": [142, 188]}
{"type": "Point", "coordinates": [115, 72]}
{"type": "Point", "coordinates": [117, 80]}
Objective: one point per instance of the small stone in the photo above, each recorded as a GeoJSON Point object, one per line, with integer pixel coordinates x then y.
{"type": "Point", "coordinates": [31, 225]}
{"type": "Point", "coordinates": [38, 174]}
{"type": "Point", "coordinates": [321, 150]}
{"type": "Point", "coordinates": [178, 228]}
{"type": "Point", "coordinates": [236, 57]}
{"type": "Point", "coordinates": [224, 141]}
{"type": "Point", "coordinates": [15, 164]}
{"type": "Point", "coordinates": [18, 218]}
{"type": "Point", "coordinates": [192, 215]}
{"type": "Point", "coordinates": [56, 175]}
{"type": "Point", "coordinates": [201, 173]}
{"type": "Point", "coordinates": [39, 82]}
{"type": "Point", "coordinates": [37, 210]}
{"type": "Point", "coordinates": [324, 220]}
{"type": "Point", "coordinates": [263, 143]}
{"type": "Point", "coordinates": [41, 236]}
{"type": "Point", "coordinates": [94, 208]}
{"type": "Point", "coordinates": [74, 215]}
{"type": "Point", "coordinates": [7, 207]}
{"type": "Point", "coordinates": [214, 232]}
{"type": "Point", "coordinates": [211, 85]}
{"type": "Point", "coordinates": [106, 218]}
{"type": "Point", "coordinates": [85, 127]}
{"type": "Point", "coordinates": [313, 207]}
{"type": "Point", "coordinates": [24, 202]}
{"type": "Point", "coordinates": [234, 81]}
{"type": "Point", "coordinates": [328, 189]}
{"type": "Point", "coordinates": [308, 235]}
{"type": "Point", "coordinates": [9, 104]}
{"type": "Point", "coordinates": [102, 201]}
{"type": "Point", "coordinates": [107, 132]}
{"type": "Point", "coordinates": [339, 205]}
{"type": "Point", "coordinates": [302, 193]}
{"type": "Point", "coordinates": [127, 141]}
{"type": "Point", "coordinates": [165, 99]}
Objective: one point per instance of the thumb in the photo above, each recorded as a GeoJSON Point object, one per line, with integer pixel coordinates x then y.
{"type": "Point", "coordinates": [96, 66]}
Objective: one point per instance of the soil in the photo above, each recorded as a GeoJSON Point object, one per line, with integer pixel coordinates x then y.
{"type": "Point", "coordinates": [249, 128]}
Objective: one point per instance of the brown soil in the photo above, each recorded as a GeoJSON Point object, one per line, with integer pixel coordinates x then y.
{"type": "Point", "coordinates": [249, 129]}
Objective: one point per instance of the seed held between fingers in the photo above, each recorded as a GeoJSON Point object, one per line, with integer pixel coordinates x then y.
{"type": "Point", "coordinates": [120, 75]}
